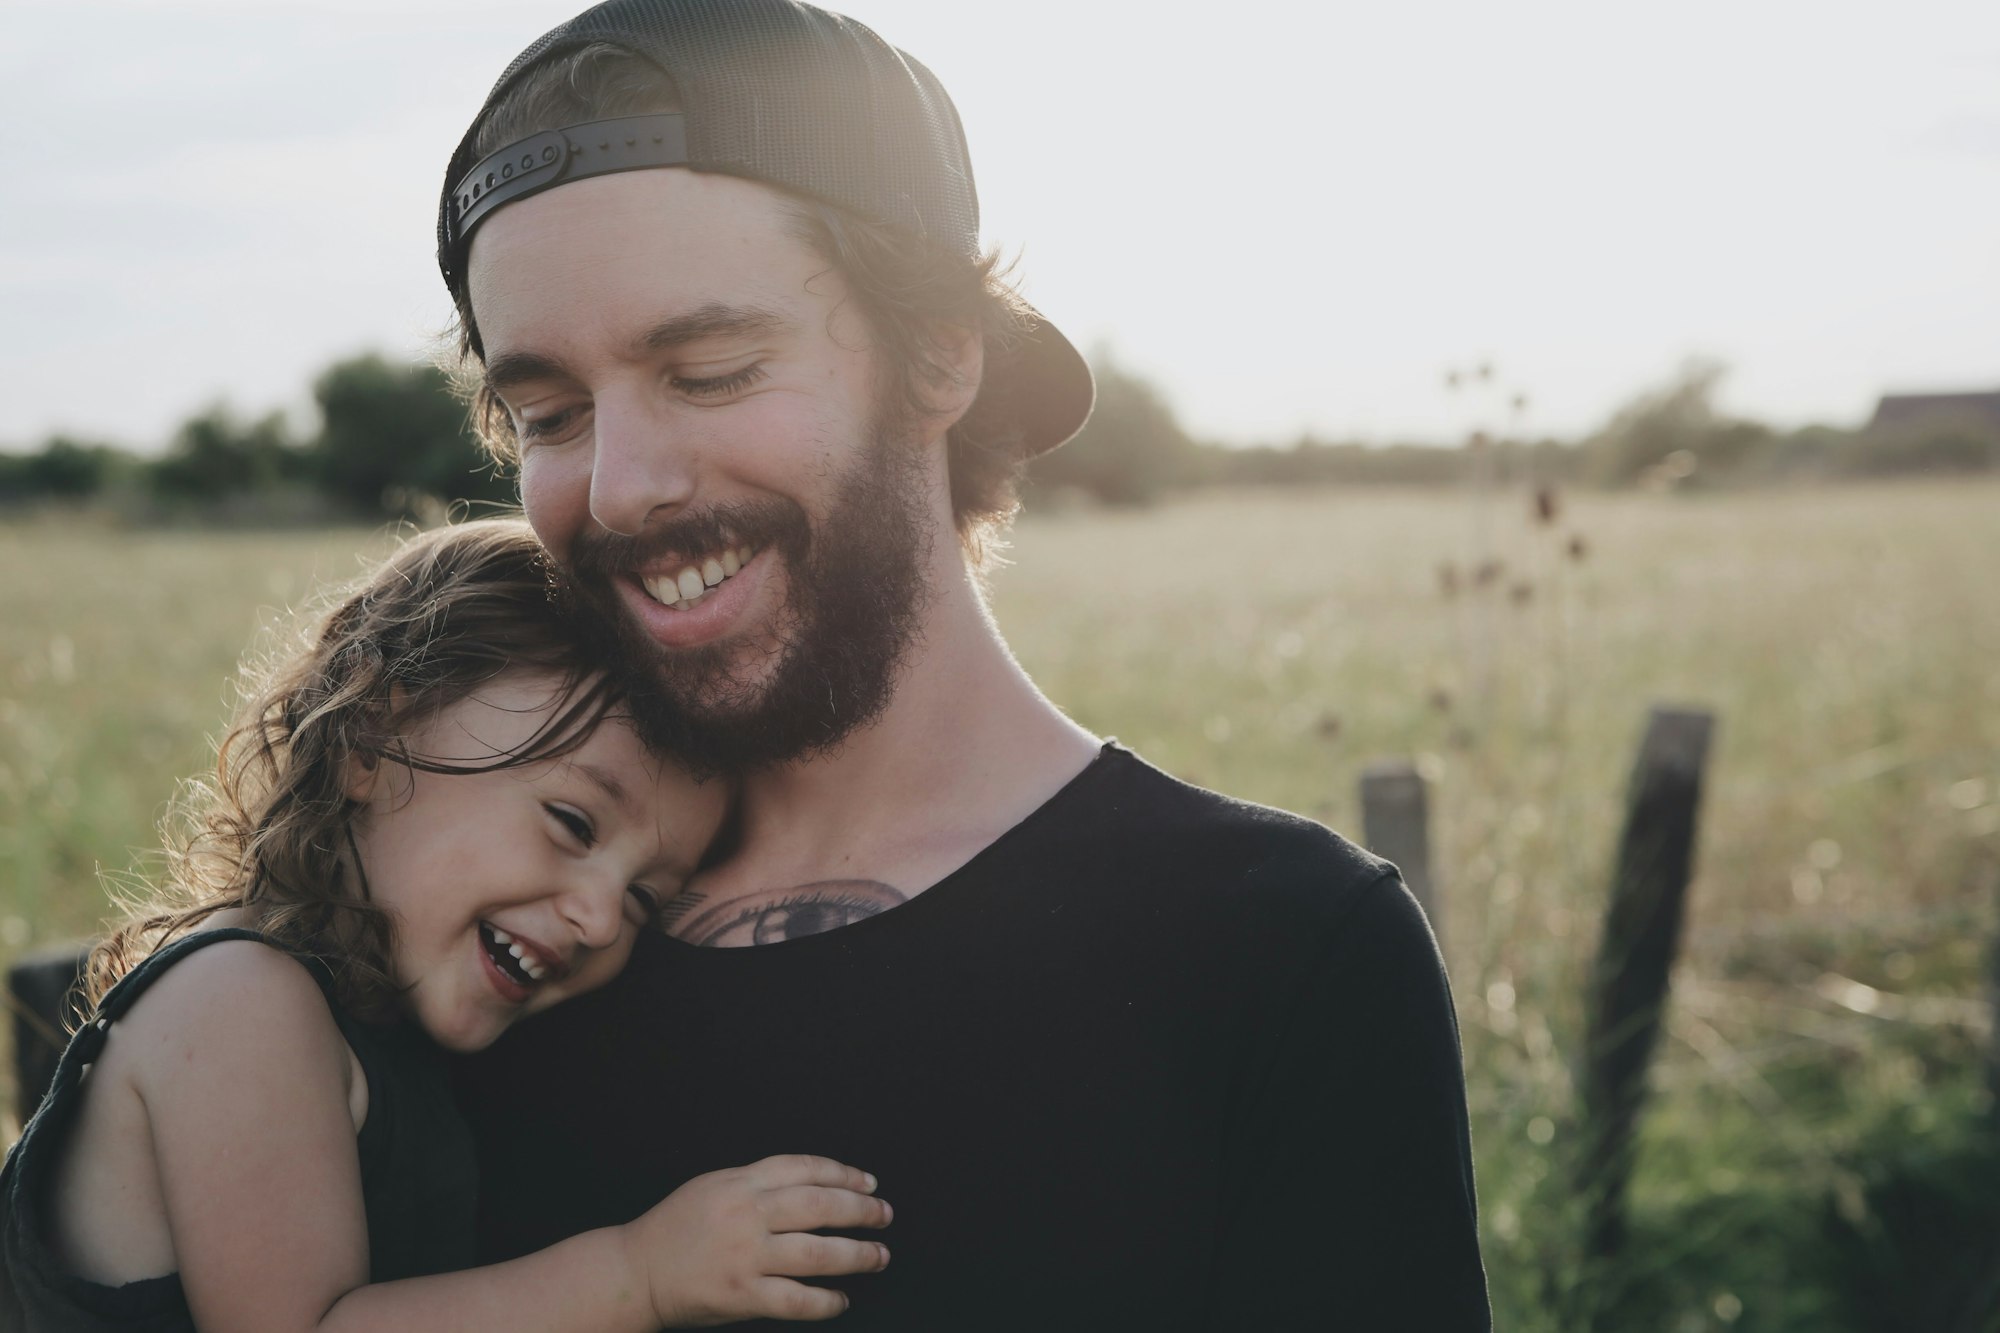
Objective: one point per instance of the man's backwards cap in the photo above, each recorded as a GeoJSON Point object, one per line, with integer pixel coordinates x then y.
{"type": "Point", "coordinates": [781, 92]}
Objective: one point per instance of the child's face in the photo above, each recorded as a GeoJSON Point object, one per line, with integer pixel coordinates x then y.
{"type": "Point", "coordinates": [553, 859]}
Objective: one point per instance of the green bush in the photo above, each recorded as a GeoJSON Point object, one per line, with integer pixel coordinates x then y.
{"type": "Point", "coordinates": [393, 436]}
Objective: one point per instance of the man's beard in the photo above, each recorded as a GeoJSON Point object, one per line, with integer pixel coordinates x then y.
{"type": "Point", "coordinates": [855, 590]}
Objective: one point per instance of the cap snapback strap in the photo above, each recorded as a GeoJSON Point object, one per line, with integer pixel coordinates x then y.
{"type": "Point", "coordinates": [555, 157]}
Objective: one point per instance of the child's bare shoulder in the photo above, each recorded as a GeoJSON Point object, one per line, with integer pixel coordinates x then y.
{"type": "Point", "coordinates": [224, 1002]}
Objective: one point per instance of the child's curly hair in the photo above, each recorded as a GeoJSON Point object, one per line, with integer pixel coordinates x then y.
{"type": "Point", "coordinates": [449, 611]}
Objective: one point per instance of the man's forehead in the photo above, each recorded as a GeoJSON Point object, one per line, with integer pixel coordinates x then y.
{"type": "Point", "coordinates": [652, 257]}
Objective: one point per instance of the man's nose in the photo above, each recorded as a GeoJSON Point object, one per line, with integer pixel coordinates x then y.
{"type": "Point", "coordinates": [641, 468]}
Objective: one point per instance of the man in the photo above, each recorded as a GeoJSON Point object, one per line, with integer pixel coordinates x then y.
{"type": "Point", "coordinates": [1124, 1054]}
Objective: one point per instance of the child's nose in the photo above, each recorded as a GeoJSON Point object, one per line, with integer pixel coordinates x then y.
{"type": "Point", "coordinates": [596, 910]}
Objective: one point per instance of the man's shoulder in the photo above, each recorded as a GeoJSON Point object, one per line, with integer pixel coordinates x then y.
{"type": "Point", "coordinates": [1227, 900]}
{"type": "Point", "coordinates": [1217, 849]}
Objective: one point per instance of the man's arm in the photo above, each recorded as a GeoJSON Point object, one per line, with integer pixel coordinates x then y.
{"type": "Point", "coordinates": [1349, 1203]}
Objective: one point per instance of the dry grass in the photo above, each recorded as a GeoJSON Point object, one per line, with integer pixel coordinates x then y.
{"type": "Point", "coordinates": [1270, 645]}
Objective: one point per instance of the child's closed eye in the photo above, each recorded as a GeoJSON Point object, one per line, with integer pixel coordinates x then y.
{"type": "Point", "coordinates": [646, 902]}
{"type": "Point", "coordinates": [577, 824]}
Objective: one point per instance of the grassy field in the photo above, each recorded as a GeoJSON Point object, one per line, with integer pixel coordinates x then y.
{"type": "Point", "coordinates": [1823, 1052]}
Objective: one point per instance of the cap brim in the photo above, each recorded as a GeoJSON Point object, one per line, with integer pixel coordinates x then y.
{"type": "Point", "coordinates": [1048, 388]}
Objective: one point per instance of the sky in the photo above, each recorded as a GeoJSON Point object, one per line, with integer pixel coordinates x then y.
{"type": "Point", "coordinates": [1294, 217]}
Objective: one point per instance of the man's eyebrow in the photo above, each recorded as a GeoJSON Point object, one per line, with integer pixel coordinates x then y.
{"type": "Point", "coordinates": [713, 320]}
{"type": "Point", "coordinates": [511, 368]}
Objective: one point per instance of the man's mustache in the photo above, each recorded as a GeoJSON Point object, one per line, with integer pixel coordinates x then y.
{"type": "Point", "coordinates": [600, 554]}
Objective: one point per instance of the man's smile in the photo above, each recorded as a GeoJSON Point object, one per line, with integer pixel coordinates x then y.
{"type": "Point", "coordinates": [689, 586]}
{"type": "Point", "coordinates": [678, 606]}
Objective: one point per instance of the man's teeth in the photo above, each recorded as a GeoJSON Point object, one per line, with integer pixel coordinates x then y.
{"type": "Point", "coordinates": [687, 587]}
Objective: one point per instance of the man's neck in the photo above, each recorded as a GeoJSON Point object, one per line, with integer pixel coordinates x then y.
{"type": "Point", "coordinates": [966, 749]}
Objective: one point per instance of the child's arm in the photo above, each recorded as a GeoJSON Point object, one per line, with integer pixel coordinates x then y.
{"type": "Point", "coordinates": [245, 1081]}
{"type": "Point", "coordinates": [722, 1247]}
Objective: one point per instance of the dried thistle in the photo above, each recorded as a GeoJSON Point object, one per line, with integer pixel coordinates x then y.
{"type": "Point", "coordinates": [1548, 505]}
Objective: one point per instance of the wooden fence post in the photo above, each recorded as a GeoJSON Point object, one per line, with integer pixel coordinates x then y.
{"type": "Point", "coordinates": [1628, 986]}
{"type": "Point", "coordinates": [1993, 1033]}
{"type": "Point", "coordinates": [1395, 823]}
{"type": "Point", "coordinates": [41, 992]}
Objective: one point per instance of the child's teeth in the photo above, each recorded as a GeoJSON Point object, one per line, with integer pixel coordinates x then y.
{"type": "Point", "coordinates": [531, 965]}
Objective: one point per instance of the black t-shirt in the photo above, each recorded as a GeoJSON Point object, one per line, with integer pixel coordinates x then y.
{"type": "Point", "coordinates": [1154, 1059]}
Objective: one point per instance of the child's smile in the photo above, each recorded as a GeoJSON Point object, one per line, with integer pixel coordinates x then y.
{"type": "Point", "coordinates": [516, 888]}
{"type": "Point", "coordinates": [520, 963]}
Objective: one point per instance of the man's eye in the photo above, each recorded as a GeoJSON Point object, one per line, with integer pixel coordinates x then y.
{"type": "Point", "coordinates": [721, 386]}
{"type": "Point", "coordinates": [546, 429]}
{"type": "Point", "coordinates": [579, 827]}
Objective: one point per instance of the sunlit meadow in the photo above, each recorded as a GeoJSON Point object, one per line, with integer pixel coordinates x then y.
{"type": "Point", "coordinates": [1832, 993]}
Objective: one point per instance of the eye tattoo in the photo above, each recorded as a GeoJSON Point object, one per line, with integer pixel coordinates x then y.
{"type": "Point", "coordinates": [773, 916]}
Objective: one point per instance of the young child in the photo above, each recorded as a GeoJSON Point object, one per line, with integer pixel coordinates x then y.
{"type": "Point", "coordinates": [429, 823]}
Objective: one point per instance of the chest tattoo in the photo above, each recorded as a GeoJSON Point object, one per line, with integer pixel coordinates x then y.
{"type": "Point", "coordinates": [675, 908]}
{"type": "Point", "coordinates": [771, 915]}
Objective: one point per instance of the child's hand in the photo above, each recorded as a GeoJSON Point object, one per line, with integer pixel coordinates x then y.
{"type": "Point", "coordinates": [727, 1245]}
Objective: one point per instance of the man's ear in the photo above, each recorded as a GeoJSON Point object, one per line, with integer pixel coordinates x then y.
{"type": "Point", "coordinates": [959, 355]}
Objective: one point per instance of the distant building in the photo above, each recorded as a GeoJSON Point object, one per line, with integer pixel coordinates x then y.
{"type": "Point", "coordinates": [1896, 410]}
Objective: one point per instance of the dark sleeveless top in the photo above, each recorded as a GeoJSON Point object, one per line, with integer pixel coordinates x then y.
{"type": "Point", "coordinates": [417, 1174]}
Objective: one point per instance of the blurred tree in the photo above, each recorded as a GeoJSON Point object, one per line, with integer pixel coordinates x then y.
{"type": "Point", "coordinates": [65, 469]}
{"type": "Point", "coordinates": [394, 436]}
{"type": "Point", "coordinates": [215, 455]}
{"type": "Point", "coordinates": [1132, 448]}
{"type": "Point", "coordinates": [1678, 418]}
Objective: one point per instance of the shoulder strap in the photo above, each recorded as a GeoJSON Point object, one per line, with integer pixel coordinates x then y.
{"type": "Point", "coordinates": [88, 1044]}
{"type": "Point", "coordinates": [89, 1040]}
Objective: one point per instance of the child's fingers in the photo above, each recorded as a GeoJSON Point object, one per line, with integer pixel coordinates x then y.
{"type": "Point", "coordinates": [802, 1169]}
{"type": "Point", "coordinates": [811, 1207]}
{"type": "Point", "coordinates": [782, 1298]}
{"type": "Point", "coordinates": [801, 1254]}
